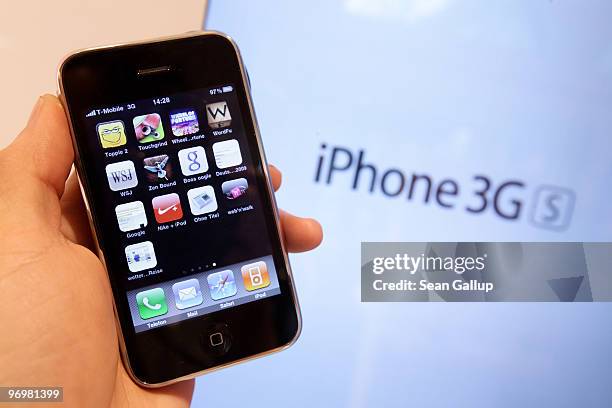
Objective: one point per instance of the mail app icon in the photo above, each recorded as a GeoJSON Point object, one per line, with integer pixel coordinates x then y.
{"type": "Point", "coordinates": [187, 294]}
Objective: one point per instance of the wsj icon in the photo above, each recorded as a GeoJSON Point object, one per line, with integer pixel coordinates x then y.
{"type": "Point", "coordinates": [553, 207]}
{"type": "Point", "coordinates": [121, 175]}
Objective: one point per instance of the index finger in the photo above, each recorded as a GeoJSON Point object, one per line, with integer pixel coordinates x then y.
{"type": "Point", "coordinates": [276, 177]}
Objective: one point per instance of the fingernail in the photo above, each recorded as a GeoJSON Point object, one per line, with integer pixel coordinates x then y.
{"type": "Point", "coordinates": [35, 111]}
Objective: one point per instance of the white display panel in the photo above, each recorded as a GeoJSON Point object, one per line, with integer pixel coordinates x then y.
{"type": "Point", "coordinates": [517, 92]}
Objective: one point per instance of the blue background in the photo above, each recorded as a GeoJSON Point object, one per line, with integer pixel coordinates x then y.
{"type": "Point", "coordinates": [510, 89]}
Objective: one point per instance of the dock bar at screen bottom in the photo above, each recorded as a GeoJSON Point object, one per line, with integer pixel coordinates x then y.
{"type": "Point", "coordinates": [203, 293]}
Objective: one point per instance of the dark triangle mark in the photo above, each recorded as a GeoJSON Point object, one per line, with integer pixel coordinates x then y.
{"type": "Point", "coordinates": [566, 289]}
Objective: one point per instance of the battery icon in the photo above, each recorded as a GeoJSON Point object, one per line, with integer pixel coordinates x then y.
{"type": "Point", "coordinates": [228, 88]}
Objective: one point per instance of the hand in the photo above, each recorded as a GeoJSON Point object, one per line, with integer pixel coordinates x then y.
{"type": "Point", "coordinates": [57, 314]}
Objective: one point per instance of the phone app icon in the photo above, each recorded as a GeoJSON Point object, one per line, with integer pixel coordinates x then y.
{"type": "Point", "coordinates": [148, 128]}
{"type": "Point", "coordinates": [233, 189]}
{"type": "Point", "coordinates": [167, 208]}
{"type": "Point", "coordinates": [112, 134]}
{"type": "Point", "coordinates": [158, 168]}
{"type": "Point", "coordinates": [193, 161]}
{"type": "Point", "coordinates": [187, 294]}
{"type": "Point", "coordinates": [184, 122]}
{"type": "Point", "coordinates": [131, 216]}
{"type": "Point", "coordinates": [218, 115]}
{"type": "Point", "coordinates": [140, 256]}
{"type": "Point", "coordinates": [121, 175]}
{"type": "Point", "coordinates": [151, 303]}
{"type": "Point", "coordinates": [227, 154]}
{"type": "Point", "coordinates": [255, 275]}
{"type": "Point", "coordinates": [221, 284]}
{"type": "Point", "coordinates": [202, 200]}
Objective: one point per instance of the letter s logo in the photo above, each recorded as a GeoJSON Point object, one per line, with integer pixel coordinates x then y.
{"type": "Point", "coordinates": [553, 210]}
{"type": "Point", "coordinates": [552, 207]}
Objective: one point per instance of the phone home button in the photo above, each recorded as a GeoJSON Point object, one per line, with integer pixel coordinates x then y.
{"type": "Point", "coordinates": [217, 338]}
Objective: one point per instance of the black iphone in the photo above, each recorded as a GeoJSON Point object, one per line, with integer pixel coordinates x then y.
{"type": "Point", "coordinates": [176, 183]}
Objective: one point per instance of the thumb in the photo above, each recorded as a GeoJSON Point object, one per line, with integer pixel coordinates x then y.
{"type": "Point", "coordinates": [43, 150]}
{"type": "Point", "coordinates": [33, 170]}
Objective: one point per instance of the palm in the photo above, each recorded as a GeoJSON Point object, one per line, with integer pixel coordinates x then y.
{"type": "Point", "coordinates": [57, 307]}
{"type": "Point", "coordinates": [58, 304]}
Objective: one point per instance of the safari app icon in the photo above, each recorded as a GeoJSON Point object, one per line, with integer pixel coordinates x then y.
{"type": "Point", "coordinates": [221, 284]}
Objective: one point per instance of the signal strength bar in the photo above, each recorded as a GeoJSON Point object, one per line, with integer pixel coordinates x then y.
{"type": "Point", "coordinates": [91, 114]}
